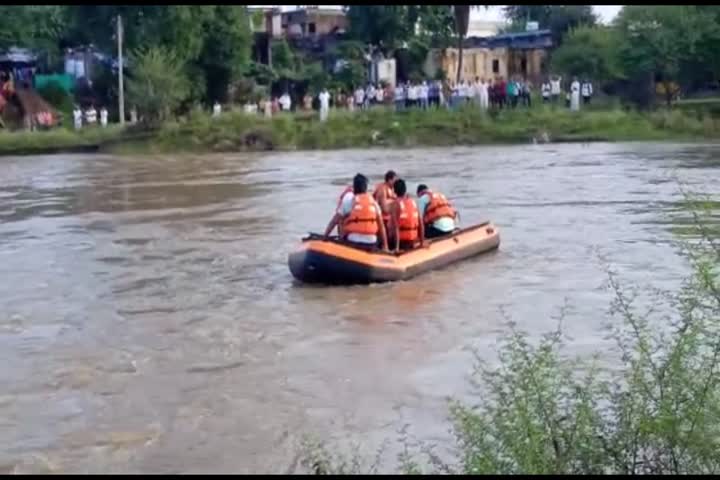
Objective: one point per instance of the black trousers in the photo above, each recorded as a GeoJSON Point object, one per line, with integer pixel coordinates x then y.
{"type": "Point", "coordinates": [432, 232]}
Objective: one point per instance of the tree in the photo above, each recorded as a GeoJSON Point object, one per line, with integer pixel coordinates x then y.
{"type": "Point", "coordinates": [31, 26]}
{"type": "Point", "coordinates": [656, 41]}
{"type": "Point", "coordinates": [436, 25]}
{"type": "Point", "coordinates": [225, 51]}
{"type": "Point", "coordinates": [559, 19]}
{"type": "Point", "coordinates": [211, 41]}
{"type": "Point", "coordinates": [462, 20]}
{"type": "Point", "coordinates": [461, 14]}
{"type": "Point", "coordinates": [590, 51]}
{"type": "Point", "coordinates": [382, 26]}
{"type": "Point", "coordinates": [158, 84]}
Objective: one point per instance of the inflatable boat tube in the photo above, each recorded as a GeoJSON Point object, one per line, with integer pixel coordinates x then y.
{"type": "Point", "coordinates": [331, 261]}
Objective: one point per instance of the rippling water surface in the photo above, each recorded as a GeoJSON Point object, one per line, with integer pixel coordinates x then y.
{"type": "Point", "coordinates": [149, 323]}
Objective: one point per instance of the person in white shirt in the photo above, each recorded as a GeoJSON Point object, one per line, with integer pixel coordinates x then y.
{"type": "Point", "coordinates": [555, 89]}
{"type": "Point", "coordinates": [412, 95]}
{"type": "Point", "coordinates": [77, 118]}
{"type": "Point", "coordinates": [285, 102]}
{"type": "Point", "coordinates": [369, 96]}
{"type": "Point", "coordinates": [91, 115]}
{"type": "Point", "coordinates": [217, 109]}
{"type": "Point", "coordinates": [423, 95]}
{"type": "Point", "coordinates": [267, 108]}
{"type": "Point", "coordinates": [400, 97]}
{"type": "Point", "coordinates": [360, 97]}
{"type": "Point", "coordinates": [324, 98]}
{"type": "Point", "coordinates": [379, 95]}
{"type": "Point", "coordinates": [586, 90]}
{"type": "Point", "coordinates": [545, 90]}
{"type": "Point", "coordinates": [465, 92]}
{"type": "Point", "coordinates": [103, 117]}
{"type": "Point", "coordinates": [483, 94]}
{"type": "Point", "coordinates": [575, 95]}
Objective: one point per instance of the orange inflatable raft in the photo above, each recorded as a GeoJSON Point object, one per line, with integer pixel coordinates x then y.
{"type": "Point", "coordinates": [331, 261]}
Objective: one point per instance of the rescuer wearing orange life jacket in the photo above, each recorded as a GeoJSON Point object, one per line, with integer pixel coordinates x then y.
{"type": "Point", "coordinates": [438, 215]}
{"type": "Point", "coordinates": [384, 195]}
{"type": "Point", "coordinates": [406, 228]}
{"type": "Point", "coordinates": [359, 219]}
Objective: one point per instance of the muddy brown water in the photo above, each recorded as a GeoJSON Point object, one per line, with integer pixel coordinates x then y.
{"type": "Point", "coordinates": [149, 323]}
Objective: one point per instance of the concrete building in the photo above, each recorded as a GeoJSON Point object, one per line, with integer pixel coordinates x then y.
{"type": "Point", "coordinates": [302, 22]}
{"type": "Point", "coordinates": [508, 55]}
{"type": "Point", "coordinates": [484, 28]}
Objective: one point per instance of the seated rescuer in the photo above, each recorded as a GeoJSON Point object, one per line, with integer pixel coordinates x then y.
{"type": "Point", "coordinates": [406, 229]}
{"type": "Point", "coordinates": [436, 211]}
{"type": "Point", "coordinates": [347, 192]}
{"type": "Point", "coordinates": [359, 217]}
{"type": "Point", "coordinates": [384, 195]}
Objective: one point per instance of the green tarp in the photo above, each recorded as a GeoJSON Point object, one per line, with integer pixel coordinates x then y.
{"type": "Point", "coordinates": [65, 81]}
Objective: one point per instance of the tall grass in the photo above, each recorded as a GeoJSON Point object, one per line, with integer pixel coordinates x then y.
{"type": "Point", "coordinates": [657, 413]}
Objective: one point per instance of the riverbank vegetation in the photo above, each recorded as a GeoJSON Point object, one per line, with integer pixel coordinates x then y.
{"type": "Point", "coordinates": [238, 132]}
{"type": "Point", "coordinates": [655, 411]}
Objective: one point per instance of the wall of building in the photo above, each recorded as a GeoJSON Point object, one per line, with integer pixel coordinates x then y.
{"type": "Point", "coordinates": [325, 23]}
{"type": "Point", "coordinates": [487, 63]}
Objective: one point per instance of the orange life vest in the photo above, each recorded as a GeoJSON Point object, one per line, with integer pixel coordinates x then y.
{"type": "Point", "coordinates": [438, 207]}
{"type": "Point", "coordinates": [389, 195]}
{"type": "Point", "coordinates": [362, 218]}
{"type": "Point", "coordinates": [348, 189]}
{"type": "Point", "coordinates": [408, 219]}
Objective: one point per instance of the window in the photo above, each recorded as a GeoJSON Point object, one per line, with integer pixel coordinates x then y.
{"type": "Point", "coordinates": [311, 28]}
{"type": "Point", "coordinates": [523, 66]}
{"type": "Point", "coordinates": [496, 66]}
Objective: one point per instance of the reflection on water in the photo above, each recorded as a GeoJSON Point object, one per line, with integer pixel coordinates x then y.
{"type": "Point", "coordinates": [149, 322]}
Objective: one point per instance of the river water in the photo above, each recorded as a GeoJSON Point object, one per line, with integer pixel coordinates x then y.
{"type": "Point", "coordinates": [149, 323]}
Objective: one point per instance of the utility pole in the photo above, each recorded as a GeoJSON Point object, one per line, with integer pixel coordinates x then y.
{"type": "Point", "coordinates": [121, 90]}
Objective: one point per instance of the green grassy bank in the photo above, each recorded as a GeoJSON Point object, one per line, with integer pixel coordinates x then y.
{"type": "Point", "coordinates": [239, 132]}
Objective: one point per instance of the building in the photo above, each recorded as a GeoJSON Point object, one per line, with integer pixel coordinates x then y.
{"type": "Point", "coordinates": [508, 55]}
{"type": "Point", "coordinates": [484, 28]}
{"type": "Point", "coordinates": [313, 21]}
{"type": "Point", "coordinates": [302, 22]}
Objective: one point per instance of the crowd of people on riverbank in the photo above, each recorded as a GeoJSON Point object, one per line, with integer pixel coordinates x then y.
{"type": "Point", "coordinates": [89, 117]}
{"type": "Point", "coordinates": [495, 94]}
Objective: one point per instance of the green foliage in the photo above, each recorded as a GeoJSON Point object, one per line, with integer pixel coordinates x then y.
{"type": "Point", "coordinates": [158, 85]}
{"type": "Point", "coordinates": [55, 94]}
{"type": "Point", "coordinates": [354, 72]}
{"type": "Point", "coordinates": [588, 51]}
{"type": "Point", "coordinates": [557, 18]}
{"type": "Point", "coordinates": [383, 26]}
{"type": "Point", "coordinates": [31, 26]}
{"type": "Point", "coordinates": [225, 52]}
{"type": "Point", "coordinates": [436, 24]}
{"type": "Point", "coordinates": [211, 41]}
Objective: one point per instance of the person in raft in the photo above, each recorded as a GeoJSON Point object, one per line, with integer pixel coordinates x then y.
{"type": "Point", "coordinates": [439, 217]}
{"type": "Point", "coordinates": [406, 230]}
{"type": "Point", "coordinates": [384, 195]}
{"type": "Point", "coordinates": [358, 219]}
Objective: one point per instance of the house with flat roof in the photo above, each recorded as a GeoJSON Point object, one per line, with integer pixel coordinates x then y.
{"type": "Point", "coordinates": [508, 55]}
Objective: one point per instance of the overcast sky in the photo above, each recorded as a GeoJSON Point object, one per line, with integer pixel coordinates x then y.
{"type": "Point", "coordinates": [606, 12]}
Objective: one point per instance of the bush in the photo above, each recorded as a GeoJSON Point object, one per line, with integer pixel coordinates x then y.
{"type": "Point", "coordinates": [158, 85]}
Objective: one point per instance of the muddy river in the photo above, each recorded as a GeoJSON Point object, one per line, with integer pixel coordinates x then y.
{"type": "Point", "coordinates": [149, 323]}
